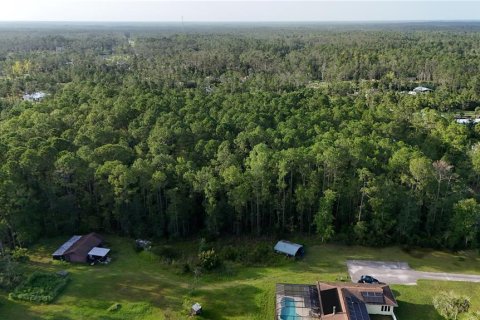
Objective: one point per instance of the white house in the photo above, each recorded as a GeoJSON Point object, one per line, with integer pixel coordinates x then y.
{"type": "Point", "coordinates": [36, 96]}
{"type": "Point", "coordinates": [467, 120]}
{"type": "Point", "coordinates": [418, 90]}
{"type": "Point", "coordinates": [334, 301]}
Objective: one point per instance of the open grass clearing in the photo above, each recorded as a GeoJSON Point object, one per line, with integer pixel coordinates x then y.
{"type": "Point", "coordinates": [148, 289]}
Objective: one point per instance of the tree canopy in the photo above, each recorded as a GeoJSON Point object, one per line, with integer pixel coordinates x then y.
{"type": "Point", "coordinates": [166, 133]}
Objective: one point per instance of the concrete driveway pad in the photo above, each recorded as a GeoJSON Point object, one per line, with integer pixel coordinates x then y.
{"type": "Point", "coordinates": [400, 272]}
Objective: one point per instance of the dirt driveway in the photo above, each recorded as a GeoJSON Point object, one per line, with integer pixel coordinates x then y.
{"type": "Point", "coordinates": [400, 272]}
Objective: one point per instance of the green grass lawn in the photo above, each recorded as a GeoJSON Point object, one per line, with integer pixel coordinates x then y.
{"type": "Point", "coordinates": [148, 289]}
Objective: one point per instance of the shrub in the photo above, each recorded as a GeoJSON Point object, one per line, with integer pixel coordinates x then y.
{"type": "Point", "coordinates": [186, 269]}
{"type": "Point", "coordinates": [114, 307]}
{"type": "Point", "coordinates": [251, 255]}
{"type": "Point", "coordinates": [10, 276]}
{"type": "Point", "coordinates": [261, 254]}
{"type": "Point", "coordinates": [229, 253]}
{"type": "Point", "coordinates": [343, 277]}
{"type": "Point", "coordinates": [203, 246]}
{"type": "Point", "coordinates": [141, 245]}
{"type": "Point", "coordinates": [165, 252]}
{"type": "Point", "coordinates": [209, 260]}
{"type": "Point", "coordinates": [137, 248]}
{"type": "Point", "coordinates": [450, 305]}
{"type": "Point", "coordinates": [40, 287]}
{"type": "Point", "coordinates": [187, 306]}
{"type": "Point", "coordinates": [20, 255]}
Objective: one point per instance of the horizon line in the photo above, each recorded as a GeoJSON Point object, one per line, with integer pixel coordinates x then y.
{"type": "Point", "coordinates": [239, 21]}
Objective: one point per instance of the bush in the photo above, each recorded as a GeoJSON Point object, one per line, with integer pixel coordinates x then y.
{"type": "Point", "coordinates": [343, 277]}
{"type": "Point", "coordinates": [209, 260]}
{"type": "Point", "coordinates": [166, 252]}
{"type": "Point", "coordinates": [203, 246]}
{"type": "Point", "coordinates": [20, 255]}
{"type": "Point", "coordinates": [251, 255]}
{"type": "Point", "coordinates": [229, 253]}
{"type": "Point", "coordinates": [114, 307]}
{"type": "Point", "coordinates": [40, 287]}
{"type": "Point", "coordinates": [141, 245]}
{"type": "Point", "coordinates": [187, 306]}
{"type": "Point", "coordinates": [10, 277]}
{"type": "Point", "coordinates": [261, 254]}
{"type": "Point", "coordinates": [186, 269]}
{"type": "Point", "coordinates": [450, 305]}
{"type": "Point", "coordinates": [137, 248]}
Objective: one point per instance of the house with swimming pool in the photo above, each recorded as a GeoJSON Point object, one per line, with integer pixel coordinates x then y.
{"type": "Point", "coordinates": [334, 301]}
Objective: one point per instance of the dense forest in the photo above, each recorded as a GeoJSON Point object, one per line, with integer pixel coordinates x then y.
{"type": "Point", "coordinates": [164, 132]}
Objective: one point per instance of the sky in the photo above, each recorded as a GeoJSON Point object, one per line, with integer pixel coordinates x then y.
{"type": "Point", "coordinates": [236, 11]}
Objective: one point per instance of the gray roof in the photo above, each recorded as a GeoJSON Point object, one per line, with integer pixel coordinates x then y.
{"type": "Point", "coordinates": [467, 120]}
{"type": "Point", "coordinates": [422, 89]}
{"type": "Point", "coordinates": [99, 252]}
{"type": "Point", "coordinates": [196, 307]}
{"type": "Point", "coordinates": [64, 247]}
{"type": "Point", "coordinates": [34, 96]}
{"type": "Point", "coordinates": [287, 247]}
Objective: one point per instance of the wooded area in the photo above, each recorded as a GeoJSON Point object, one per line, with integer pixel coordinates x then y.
{"type": "Point", "coordinates": [169, 132]}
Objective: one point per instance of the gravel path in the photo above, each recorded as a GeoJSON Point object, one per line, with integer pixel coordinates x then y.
{"type": "Point", "coordinates": [400, 272]}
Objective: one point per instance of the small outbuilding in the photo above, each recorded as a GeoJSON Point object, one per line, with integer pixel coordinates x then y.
{"type": "Point", "coordinates": [196, 309]}
{"type": "Point", "coordinates": [98, 254]}
{"type": "Point", "coordinates": [289, 248]}
{"type": "Point", "coordinates": [81, 249]}
{"type": "Point", "coordinates": [467, 120]}
{"type": "Point", "coordinates": [418, 90]}
{"type": "Point", "coordinates": [35, 96]}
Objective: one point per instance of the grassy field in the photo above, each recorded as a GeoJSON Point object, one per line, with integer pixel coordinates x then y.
{"type": "Point", "coordinates": [147, 289]}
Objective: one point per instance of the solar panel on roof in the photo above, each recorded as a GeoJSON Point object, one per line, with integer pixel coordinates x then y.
{"type": "Point", "coordinates": [357, 309]}
{"type": "Point", "coordinates": [373, 297]}
{"type": "Point", "coordinates": [67, 245]}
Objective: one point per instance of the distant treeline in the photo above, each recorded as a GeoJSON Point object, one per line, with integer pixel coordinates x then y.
{"type": "Point", "coordinates": [265, 131]}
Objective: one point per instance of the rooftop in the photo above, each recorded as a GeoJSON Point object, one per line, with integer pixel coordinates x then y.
{"type": "Point", "coordinates": [98, 252]}
{"type": "Point", "coordinates": [288, 247]}
{"type": "Point", "coordinates": [333, 301]}
{"type": "Point", "coordinates": [348, 300]}
{"type": "Point", "coordinates": [34, 96]}
{"type": "Point", "coordinates": [67, 245]}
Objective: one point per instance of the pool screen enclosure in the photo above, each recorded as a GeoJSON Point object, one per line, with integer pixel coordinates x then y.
{"type": "Point", "coordinates": [297, 302]}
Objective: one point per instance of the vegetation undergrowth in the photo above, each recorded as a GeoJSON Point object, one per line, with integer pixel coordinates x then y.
{"type": "Point", "coordinates": [40, 287]}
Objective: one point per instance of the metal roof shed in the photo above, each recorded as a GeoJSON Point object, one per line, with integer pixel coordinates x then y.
{"type": "Point", "coordinates": [98, 252]}
{"type": "Point", "coordinates": [422, 89]}
{"type": "Point", "coordinates": [289, 248]}
{"type": "Point", "coordinates": [196, 309]}
{"type": "Point", "coordinates": [58, 254]}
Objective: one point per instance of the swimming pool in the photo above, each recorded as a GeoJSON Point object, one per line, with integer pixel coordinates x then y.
{"type": "Point", "coordinates": [288, 309]}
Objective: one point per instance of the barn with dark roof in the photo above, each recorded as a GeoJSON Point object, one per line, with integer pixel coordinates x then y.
{"type": "Point", "coordinates": [81, 249]}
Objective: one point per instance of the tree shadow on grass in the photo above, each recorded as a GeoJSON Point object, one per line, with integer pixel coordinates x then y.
{"type": "Point", "coordinates": [396, 293]}
{"type": "Point", "coordinates": [228, 302]}
{"type": "Point", "coordinates": [11, 309]}
{"type": "Point", "coordinates": [407, 310]}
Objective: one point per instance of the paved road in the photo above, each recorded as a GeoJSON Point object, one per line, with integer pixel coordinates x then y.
{"type": "Point", "coordinates": [400, 272]}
